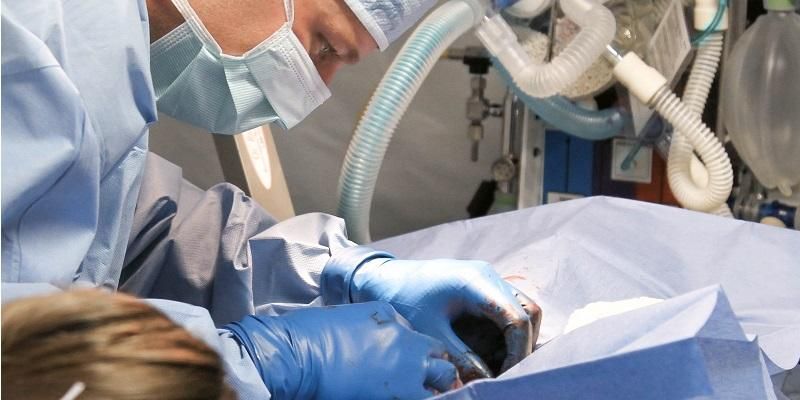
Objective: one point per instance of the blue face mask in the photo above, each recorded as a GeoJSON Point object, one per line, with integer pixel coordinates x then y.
{"type": "Point", "coordinates": [195, 82]}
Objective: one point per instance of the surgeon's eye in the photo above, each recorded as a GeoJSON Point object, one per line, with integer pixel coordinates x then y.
{"type": "Point", "coordinates": [326, 50]}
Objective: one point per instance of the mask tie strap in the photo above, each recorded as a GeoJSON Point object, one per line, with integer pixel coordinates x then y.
{"type": "Point", "coordinates": [288, 6]}
{"type": "Point", "coordinates": [191, 17]}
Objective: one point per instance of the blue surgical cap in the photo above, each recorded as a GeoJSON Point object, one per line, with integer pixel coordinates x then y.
{"type": "Point", "coordinates": [386, 20]}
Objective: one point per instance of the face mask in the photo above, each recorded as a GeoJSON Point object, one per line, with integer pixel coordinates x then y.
{"type": "Point", "coordinates": [195, 82]}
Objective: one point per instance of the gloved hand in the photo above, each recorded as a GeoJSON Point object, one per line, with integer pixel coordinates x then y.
{"type": "Point", "coordinates": [359, 351]}
{"type": "Point", "coordinates": [431, 294]}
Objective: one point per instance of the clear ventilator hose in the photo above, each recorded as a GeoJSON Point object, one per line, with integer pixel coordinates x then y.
{"type": "Point", "coordinates": [388, 104]}
{"type": "Point", "coordinates": [409, 69]}
{"type": "Point", "coordinates": [697, 186]}
{"type": "Point", "coordinates": [573, 119]}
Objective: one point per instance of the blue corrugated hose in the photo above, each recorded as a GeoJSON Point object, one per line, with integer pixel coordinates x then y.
{"type": "Point", "coordinates": [569, 117]}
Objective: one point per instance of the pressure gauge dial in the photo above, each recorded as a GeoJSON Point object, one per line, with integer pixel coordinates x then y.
{"type": "Point", "coordinates": [504, 169]}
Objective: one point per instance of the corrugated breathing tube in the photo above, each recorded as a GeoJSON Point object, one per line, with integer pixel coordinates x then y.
{"type": "Point", "coordinates": [716, 176]}
{"type": "Point", "coordinates": [388, 104]}
{"type": "Point", "coordinates": [598, 27]}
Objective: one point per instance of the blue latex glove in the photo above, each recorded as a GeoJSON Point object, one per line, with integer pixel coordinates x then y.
{"type": "Point", "coordinates": [431, 294]}
{"type": "Point", "coordinates": [359, 351]}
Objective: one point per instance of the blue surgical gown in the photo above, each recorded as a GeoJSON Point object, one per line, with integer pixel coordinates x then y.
{"type": "Point", "coordinates": [77, 101]}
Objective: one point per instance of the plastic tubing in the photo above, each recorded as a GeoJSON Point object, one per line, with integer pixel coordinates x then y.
{"type": "Point", "coordinates": [717, 163]}
{"type": "Point", "coordinates": [571, 118]}
{"type": "Point", "coordinates": [388, 104]}
{"type": "Point", "coordinates": [712, 194]}
{"type": "Point", "coordinates": [652, 88]}
{"type": "Point", "coordinates": [567, 116]}
{"type": "Point", "coordinates": [598, 28]}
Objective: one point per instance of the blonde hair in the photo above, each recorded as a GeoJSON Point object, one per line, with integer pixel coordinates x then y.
{"type": "Point", "coordinates": [116, 345]}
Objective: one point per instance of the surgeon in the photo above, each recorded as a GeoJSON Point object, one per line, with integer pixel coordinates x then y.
{"type": "Point", "coordinates": [85, 205]}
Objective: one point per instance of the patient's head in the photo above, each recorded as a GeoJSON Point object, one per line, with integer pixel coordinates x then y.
{"type": "Point", "coordinates": [114, 345]}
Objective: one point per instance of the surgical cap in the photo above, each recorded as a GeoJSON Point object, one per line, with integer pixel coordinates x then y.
{"type": "Point", "coordinates": [386, 20]}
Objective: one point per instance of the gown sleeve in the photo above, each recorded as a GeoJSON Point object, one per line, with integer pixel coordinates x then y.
{"type": "Point", "coordinates": [49, 155]}
{"type": "Point", "coordinates": [220, 250]}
